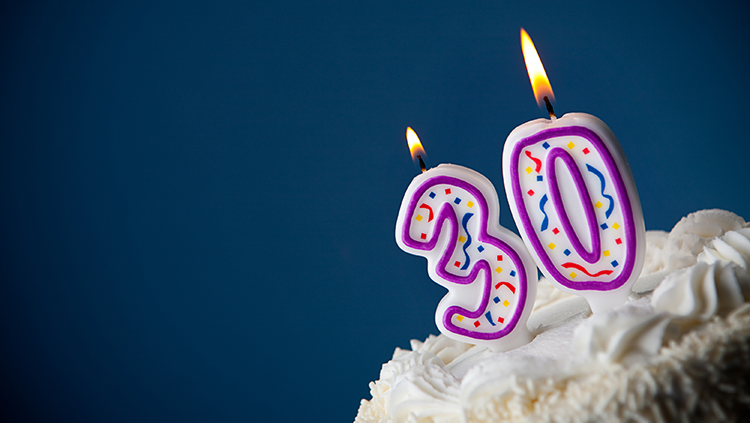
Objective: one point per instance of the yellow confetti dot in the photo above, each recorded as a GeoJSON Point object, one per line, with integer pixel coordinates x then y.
{"type": "Point", "coordinates": [462, 239]}
{"type": "Point", "coordinates": [470, 204]}
{"type": "Point", "coordinates": [598, 204]}
{"type": "Point", "coordinates": [571, 145]}
{"type": "Point", "coordinates": [573, 275]}
{"type": "Point", "coordinates": [419, 218]}
{"type": "Point", "coordinates": [499, 270]}
{"type": "Point", "coordinates": [506, 303]}
{"type": "Point", "coordinates": [551, 245]}
{"type": "Point", "coordinates": [459, 317]}
{"type": "Point", "coordinates": [606, 253]}
{"type": "Point", "coordinates": [615, 226]}
{"type": "Point", "coordinates": [529, 170]}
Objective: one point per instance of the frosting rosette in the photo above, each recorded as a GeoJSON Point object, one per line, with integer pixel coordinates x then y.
{"type": "Point", "coordinates": [716, 285]}
{"type": "Point", "coordinates": [693, 232]}
{"type": "Point", "coordinates": [623, 335]}
{"type": "Point", "coordinates": [426, 394]}
{"type": "Point", "coordinates": [733, 246]}
{"type": "Point", "coordinates": [417, 384]}
{"type": "Point", "coordinates": [702, 291]}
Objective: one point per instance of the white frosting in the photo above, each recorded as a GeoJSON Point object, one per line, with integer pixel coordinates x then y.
{"type": "Point", "coordinates": [702, 291]}
{"type": "Point", "coordinates": [547, 294]}
{"type": "Point", "coordinates": [654, 266]}
{"type": "Point", "coordinates": [426, 394]}
{"type": "Point", "coordinates": [606, 367]}
{"type": "Point", "coordinates": [702, 378]}
{"type": "Point", "coordinates": [654, 261]}
{"type": "Point", "coordinates": [627, 334]}
{"type": "Point", "coordinates": [417, 384]}
{"type": "Point", "coordinates": [733, 246]}
{"type": "Point", "coordinates": [689, 236]}
{"type": "Point", "coordinates": [717, 284]}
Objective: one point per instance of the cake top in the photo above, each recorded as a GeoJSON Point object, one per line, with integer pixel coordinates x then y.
{"type": "Point", "coordinates": [695, 280]}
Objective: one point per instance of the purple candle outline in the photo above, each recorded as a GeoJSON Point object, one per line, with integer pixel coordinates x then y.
{"type": "Point", "coordinates": [622, 193]}
{"type": "Point", "coordinates": [447, 213]}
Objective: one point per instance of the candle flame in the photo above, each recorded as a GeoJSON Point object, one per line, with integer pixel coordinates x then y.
{"type": "Point", "coordinates": [539, 82]}
{"type": "Point", "coordinates": [415, 146]}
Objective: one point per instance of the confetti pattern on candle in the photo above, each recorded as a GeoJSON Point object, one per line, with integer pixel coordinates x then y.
{"type": "Point", "coordinates": [581, 179]}
{"type": "Point", "coordinates": [508, 284]}
{"type": "Point", "coordinates": [429, 209]}
{"type": "Point", "coordinates": [464, 222]}
{"type": "Point", "coordinates": [471, 256]}
{"type": "Point", "coordinates": [599, 175]}
{"type": "Point", "coordinates": [537, 162]}
{"type": "Point", "coordinates": [583, 269]}
{"type": "Point", "coordinates": [545, 222]}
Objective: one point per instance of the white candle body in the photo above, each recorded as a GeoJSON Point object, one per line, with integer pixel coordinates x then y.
{"type": "Point", "coordinates": [450, 215]}
{"type": "Point", "coordinates": [575, 203]}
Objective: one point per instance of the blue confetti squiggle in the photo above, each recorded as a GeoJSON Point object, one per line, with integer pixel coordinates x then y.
{"type": "Point", "coordinates": [488, 315]}
{"type": "Point", "coordinates": [593, 170]}
{"type": "Point", "coordinates": [465, 222]}
{"type": "Point", "coordinates": [542, 203]}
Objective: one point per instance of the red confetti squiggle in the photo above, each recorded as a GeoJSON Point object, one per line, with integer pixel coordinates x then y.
{"type": "Point", "coordinates": [568, 265]}
{"type": "Point", "coordinates": [432, 215]}
{"type": "Point", "coordinates": [511, 287]}
{"type": "Point", "coordinates": [537, 162]}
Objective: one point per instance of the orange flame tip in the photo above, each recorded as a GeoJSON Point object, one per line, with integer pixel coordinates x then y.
{"type": "Point", "coordinates": [415, 146]}
{"type": "Point", "coordinates": [538, 77]}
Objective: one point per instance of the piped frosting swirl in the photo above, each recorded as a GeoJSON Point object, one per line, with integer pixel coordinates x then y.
{"type": "Point", "coordinates": [625, 335]}
{"type": "Point", "coordinates": [702, 291]}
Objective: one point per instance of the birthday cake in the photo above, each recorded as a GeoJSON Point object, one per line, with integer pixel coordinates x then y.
{"type": "Point", "coordinates": [678, 350]}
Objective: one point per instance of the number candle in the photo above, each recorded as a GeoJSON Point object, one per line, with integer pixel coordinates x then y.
{"type": "Point", "coordinates": [450, 215]}
{"type": "Point", "coordinates": [574, 199]}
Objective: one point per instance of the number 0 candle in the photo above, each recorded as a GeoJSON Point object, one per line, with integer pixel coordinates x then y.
{"type": "Point", "coordinates": [450, 215]}
{"type": "Point", "coordinates": [574, 199]}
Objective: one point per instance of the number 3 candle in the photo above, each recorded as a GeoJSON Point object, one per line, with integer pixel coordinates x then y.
{"type": "Point", "coordinates": [450, 216]}
{"type": "Point", "coordinates": [574, 200]}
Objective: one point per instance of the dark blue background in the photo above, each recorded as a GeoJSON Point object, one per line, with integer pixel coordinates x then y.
{"type": "Point", "coordinates": [198, 198]}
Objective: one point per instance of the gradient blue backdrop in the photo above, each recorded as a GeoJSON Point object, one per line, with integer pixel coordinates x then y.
{"type": "Point", "coordinates": [197, 199]}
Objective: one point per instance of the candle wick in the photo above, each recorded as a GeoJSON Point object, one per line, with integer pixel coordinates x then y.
{"type": "Point", "coordinates": [550, 110]}
{"type": "Point", "coordinates": [421, 163]}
